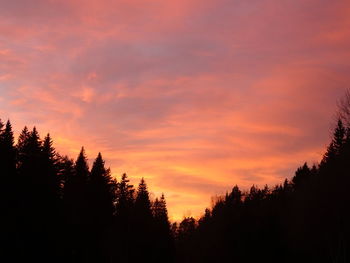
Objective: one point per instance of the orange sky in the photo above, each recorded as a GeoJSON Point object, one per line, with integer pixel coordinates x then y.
{"type": "Point", "coordinates": [195, 96]}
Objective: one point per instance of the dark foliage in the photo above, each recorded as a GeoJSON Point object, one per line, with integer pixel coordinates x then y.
{"type": "Point", "coordinates": [55, 209]}
{"type": "Point", "coordinates": [303, 220]}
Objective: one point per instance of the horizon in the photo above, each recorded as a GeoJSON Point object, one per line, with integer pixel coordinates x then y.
{"type": "Point", "coordinates": [135, 180]}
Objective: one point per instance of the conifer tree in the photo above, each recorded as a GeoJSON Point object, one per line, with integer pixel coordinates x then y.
{"type": "Point", "coordinates": [101, 199]}
{"type": "Point", "coordinates": [336, 145]}
{"type": "Point", "coordinates": [124, 222]}
{"type": "Point", "coordinates": [8, 183]}
{"type": "Point", "coordinates": [142, 202]}
{"type": "Point", "coordinates": [143, 224]}
{"type": "Point", "coordinates": [164, 240]}
{"type": "Point", "coordinates": [30, 167]}
{"type": "Point", "coordinates": [7, 150]}
{"type": "Point", "coordinates": [101, 191]}
{"type": "Point", "coordinates": [339, 136]}
{"type": "Point", "coordinates": [22, 139]}
{"type": "Point", "coordinates": [76, 204]}
{"type": "Point", "coordinates": [75, 191]}
{"type": "Point", "coordinates": [9, 192]}
{"type": "Point", "coordinates": [50, 166]}
{"type": "Point", "coordinates": [125, 197]}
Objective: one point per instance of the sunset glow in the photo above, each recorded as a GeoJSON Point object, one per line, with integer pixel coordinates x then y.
{"type": "Point", "coordinates": [194, 96]}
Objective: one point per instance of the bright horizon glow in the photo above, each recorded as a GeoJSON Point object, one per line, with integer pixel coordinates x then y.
{"type": "Point", "coordinates": [194, 96]}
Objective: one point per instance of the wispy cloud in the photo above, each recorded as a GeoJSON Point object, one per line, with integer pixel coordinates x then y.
{"type": "Point", "coordinates": [196, 96]}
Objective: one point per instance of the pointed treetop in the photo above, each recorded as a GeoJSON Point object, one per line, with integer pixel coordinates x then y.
{"type": "Point", "coordinates": [48, 140]}
{"type": "Point", "coordinates": [35, 132]}
{"type": "Point", "coordinates": [99, 160]}
{"type": "Point", "coordinates": [82, 155]}
{"type": "Point", "coordinates": [337, 143]}
{"type": "Point", "coordinates": [23, 138]}
{"type": "Point", "coordinates": [99, 156]}
{"type": "Point", "coordinates": [142, 198]}
{"type": "Point", "coordinates": [81, 166]}
{"type": "Point", "coordinates": [142, 189]}
{"type": "Point", "coordinates": [48, 148]}
{"type": "Point", "coordinates": [98, 167]}
{"type": "Point", "coordinates": [23, 135]}
{"type": "Point", "coordinates": [125, 193]}
{"type": "Point", "coordinates": [8, 134]}
{"type": "Point", "coordinates": [8, 124]}
{"type": "Point", "coordinates": [125, 178]}
{"type": "Point", "coordinates": [34, 139]}
{"type": "Point", "coordinates": [339, 135]}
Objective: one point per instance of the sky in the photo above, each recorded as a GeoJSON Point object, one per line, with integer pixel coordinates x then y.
{"type": "Point", "coordinates": [194, 96]}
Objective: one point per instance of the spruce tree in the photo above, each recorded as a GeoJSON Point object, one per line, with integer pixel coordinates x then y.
{"type": "Point", "coordinates": [336, 146]}
{"type": "Point", "coordinates": [9, 193]}
{"type": "Point", "coordinates": [124, 197]}
{"type": "Point", "coordinates": [8, 151]}
{"type": "Point", "coordinates": [50, 166]}
{"type": "Point", "coordinates": [101, 207]}
{"type": "Point", "coordinates": [124, 223]}
{"type": "Point", "coordinates": [75, 191]}
{"type": "Point", "coordinates": [163, 238]}
{"type": "Point", "coordinates": [76, 204]}
{"type": "Point", "coordinates": [8, 184]}
{"type": "Point", "coordinates": [142, 202]}
{"type": "Point", "coordinates": [102, 192]}
{"type": "Point", "coordinates": [143, 225]}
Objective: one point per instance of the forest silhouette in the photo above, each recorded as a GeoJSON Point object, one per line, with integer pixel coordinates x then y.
{"type": "Point", "coordinates": [56, 209]}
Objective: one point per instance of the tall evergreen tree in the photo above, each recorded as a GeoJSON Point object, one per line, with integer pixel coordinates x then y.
{"type": "Point", "coordinates": [143, 225]}
{"type": "Point", "coordinates": [124, 223]}
{"type": "Point", "coordinates": [102, 192]}
{"type": "Point", "coordinates": [336, 145]}
{"type": "Point", "coordinates": [76, 205]}
{"type": "Point", "coordinates": [8, 151]}
{"type": "Point", "coordinates": [8, 185]}
{"type": "Point", "coordinates": [50, 167]}
{"type": "Point", "coordinates": [30, 168]}
{"type": "Point", "coordinates": [125, 197]}
{"type": "Point", "coordinates": [9, 192]}
{"type": "Point", "coordinates": [22, 140]}
{"type": "Point", "coordinates": [164, 240]}
{"type": "Point", "coordinates": [39, 199]}
{"type": "Point", "coordinates": [142, 202]}
{"type": "Point", "coordinates": [101, 208]}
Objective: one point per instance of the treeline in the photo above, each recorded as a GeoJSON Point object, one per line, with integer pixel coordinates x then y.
{"type": "Point", "coordinates": [54, 209]}
{"type": "Point", "coordinates": [305, 219]}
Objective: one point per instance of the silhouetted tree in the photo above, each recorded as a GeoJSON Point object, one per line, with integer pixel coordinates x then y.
{"type": "Point", "coordinates": [9, 191]}
{"type": "Point", "coordinates": [55, 210]}
{"type": "Point", "coordinates": [77, 208]}
{"type": "Point", "coordinates": [123, 225]}
{"type": "Point", "coordinates": [101, 209]}
{"type": "Point", "coordinates": [143, 225]}
{"type": "Point", "coordinates": [164, 240]}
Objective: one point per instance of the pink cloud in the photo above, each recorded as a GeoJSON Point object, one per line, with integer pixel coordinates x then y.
{"type": "Point", "coordinates": [195, 96]}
